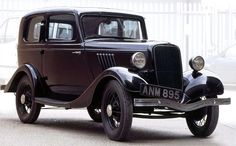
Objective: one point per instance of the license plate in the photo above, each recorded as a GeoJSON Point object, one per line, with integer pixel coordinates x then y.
{"type": "Point", "coordinates": [160, 92]}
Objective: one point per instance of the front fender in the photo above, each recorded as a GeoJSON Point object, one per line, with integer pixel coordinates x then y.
{"type": "Point", "coordinates": [130, 82]}
{"type": "Point", "coordinates": [204, 83]}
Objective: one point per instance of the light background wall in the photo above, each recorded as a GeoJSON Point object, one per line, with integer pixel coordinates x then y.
{"type": "Point", "coordinates": [195, 26]}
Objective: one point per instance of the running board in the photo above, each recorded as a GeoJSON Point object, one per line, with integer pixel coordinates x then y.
{"type": "Point", "coordinates": [53, 102]}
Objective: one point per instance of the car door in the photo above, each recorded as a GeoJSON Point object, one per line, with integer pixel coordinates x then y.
{"type": "Point", "coordinates": [31, 44]}
{"type": "Point", "coordinates": [64, 60]}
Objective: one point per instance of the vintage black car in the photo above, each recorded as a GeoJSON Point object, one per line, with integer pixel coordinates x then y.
{"type": "Point", "coordinates": [102, 60]}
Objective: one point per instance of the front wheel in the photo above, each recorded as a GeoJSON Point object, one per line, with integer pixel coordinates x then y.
{"type": "Point", "coordinates": [27, 109]}
{"type": "Point", "coordinates": [202, 122]}
{"type": "Point", "coordinates": [117, 111]}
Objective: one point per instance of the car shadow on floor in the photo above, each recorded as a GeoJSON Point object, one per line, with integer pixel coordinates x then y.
{"type": "Point", "coordinates": [85, 127]}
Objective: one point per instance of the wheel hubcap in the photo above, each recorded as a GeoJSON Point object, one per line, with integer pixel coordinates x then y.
{"type": "Point", "coordinates": [109, 110]}
{"type": "Point", "coordinates": [22, 99]}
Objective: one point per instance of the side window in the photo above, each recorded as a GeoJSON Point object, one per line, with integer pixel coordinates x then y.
{"type": "Point", "coordinates": [33, 29]}
{"type": "Point", "coordinates": [61, 28]}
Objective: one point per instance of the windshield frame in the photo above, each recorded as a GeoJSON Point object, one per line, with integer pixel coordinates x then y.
{"type": "Point", "coordinates": [115, 15]}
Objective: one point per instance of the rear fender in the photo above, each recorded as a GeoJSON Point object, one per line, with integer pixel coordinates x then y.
{"type": "Point", "coordinates": [32, 74]}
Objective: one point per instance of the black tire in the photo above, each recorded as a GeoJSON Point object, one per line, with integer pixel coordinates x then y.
{"type": "Point", "coordinates": [27, 110]}
{"type": "Point", "coordinates": [202, 122]}
{"type": "Point", "coordinates": [94, 113]}
{"type": "Point", "coordinates": [117, 111]}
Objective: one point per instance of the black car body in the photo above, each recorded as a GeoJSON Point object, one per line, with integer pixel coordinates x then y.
{"type": "Point", "coordinates": [102, 60]}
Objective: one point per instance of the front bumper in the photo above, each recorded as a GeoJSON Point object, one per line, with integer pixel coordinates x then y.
{"type": "Point", "coordinates": [155, 102]}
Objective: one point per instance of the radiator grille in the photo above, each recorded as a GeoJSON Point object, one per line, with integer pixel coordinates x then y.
{"type": "Point", "coordinates": [168, 66]}
{"type": "Point", "coordinates": [106, 60]}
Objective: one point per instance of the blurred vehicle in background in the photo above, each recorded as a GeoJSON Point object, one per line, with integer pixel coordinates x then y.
{"type": "Point", "coordinates": [8, 44]}
{"type": "Point", "coordinates": [224, 65]}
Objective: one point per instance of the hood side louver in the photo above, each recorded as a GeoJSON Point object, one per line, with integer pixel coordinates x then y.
{"type": "Point", "coordinates": [106, 60]}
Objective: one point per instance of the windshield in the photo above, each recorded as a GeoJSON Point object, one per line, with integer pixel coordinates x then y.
{"type": "Point", "coordinates": [111, 27]}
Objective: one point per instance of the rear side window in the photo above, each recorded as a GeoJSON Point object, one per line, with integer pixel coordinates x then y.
{"type": "Point", "coordinates": [61, 28]}
{"type": "Point", "coordinates": [34, 26]}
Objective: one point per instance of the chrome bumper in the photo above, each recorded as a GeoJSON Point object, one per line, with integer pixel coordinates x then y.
{"type": "Point", "coordinates": [155, 102]}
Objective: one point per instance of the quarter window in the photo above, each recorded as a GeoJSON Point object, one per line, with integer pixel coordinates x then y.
{"type": "Point", "coordinates": [61, 28]}
{"type": "Point", "coordinates": [34, 28]}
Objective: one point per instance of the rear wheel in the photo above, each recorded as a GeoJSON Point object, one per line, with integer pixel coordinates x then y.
{"type": "Point", "coordinates": [94, 113]}
{"type": "Point", "coordinates": [27, 110]}
{"type": "Point", "coordinates": [117, 111]}
{"type": "Point", "coordinates": [202, 122]}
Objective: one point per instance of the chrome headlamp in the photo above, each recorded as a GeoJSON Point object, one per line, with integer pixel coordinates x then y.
{"type": "Point", "coordinates": [197, 63]}
{"type": "Point", "coordinates": [138, 59]}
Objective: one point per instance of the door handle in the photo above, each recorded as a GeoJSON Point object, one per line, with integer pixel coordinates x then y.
{"type": "Point", "coordinates": [41, 51]}
{"type": "Point", "coordinates": [76, 52]}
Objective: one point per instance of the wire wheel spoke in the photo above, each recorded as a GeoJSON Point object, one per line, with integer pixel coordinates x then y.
{"type": "Point", "coordinates": [28, 109]}
{"type": "Point", "coordinates": [97, 111]}
{"type": "Point", "coordinates": [26, 100]}
{"type": "Point", "coordinates": [116, 122]}
{"type": "Point", "coordinates": [114, 114]}
{"type": "Point", "coordinates": [201, 122]}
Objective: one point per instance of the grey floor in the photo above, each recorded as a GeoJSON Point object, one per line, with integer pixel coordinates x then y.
{"type": "Point", "coordinates": [75, 128]}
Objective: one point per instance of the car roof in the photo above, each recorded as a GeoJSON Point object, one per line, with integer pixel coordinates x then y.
{"type": "Point", "coordinates": [81, 10]}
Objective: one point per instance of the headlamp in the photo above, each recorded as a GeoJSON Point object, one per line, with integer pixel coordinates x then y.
{"type": "Point", "coordinates": [138, 59]}
{"type": "Point", "coordinates": [197, 63]}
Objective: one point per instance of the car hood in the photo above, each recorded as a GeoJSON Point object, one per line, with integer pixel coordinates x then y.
{"type": "Point", "coordinates": [123, 45]}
